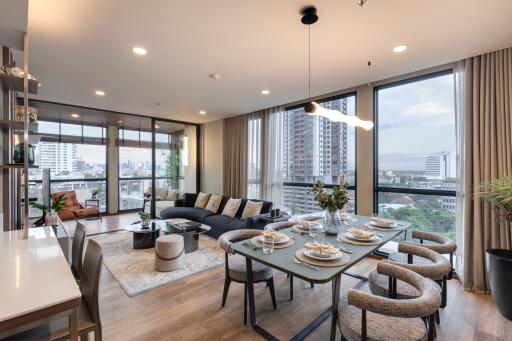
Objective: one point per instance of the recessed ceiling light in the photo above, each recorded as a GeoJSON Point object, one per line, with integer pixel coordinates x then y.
{"type": "Point", "coordinates": [400, 48]}
{"type": "Point", "coordinates": [139, 50]}
{"type": "Point", "coordinates": [202, 112]}
{"type": "Point", "coordinates": [157, 126]}
{"type": "Point", "coordinates": [39, 84]}
{"type": "Point", "coordinates": [75, 115]}
{"type": "Point", "coordinates": [99, 93]}
{"type": "Point", "coordinates": [119, 122]}
{"type": "Point", "coordinates": [265, 92]}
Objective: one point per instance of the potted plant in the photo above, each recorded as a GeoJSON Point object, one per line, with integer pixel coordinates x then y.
{"type": "Point", "coordinates": [95, 193]}
{"type": "Point", "coordinates": [499, 261]}
{"type": "Point", "coordinates": [331, 201]}
{"type": "Point", "coordinates": [51, 218]}
{"type": "Point", "coordinates": [145, 219]}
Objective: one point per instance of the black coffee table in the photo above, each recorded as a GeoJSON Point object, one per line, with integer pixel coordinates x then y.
{"type": "Point", "coordinates": [144, 237]}
{"type": "Point", "coordinates": [190, 239]}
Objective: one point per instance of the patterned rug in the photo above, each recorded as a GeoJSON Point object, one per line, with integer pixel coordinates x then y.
{"type": "Point", "coordinates": [133, 269]}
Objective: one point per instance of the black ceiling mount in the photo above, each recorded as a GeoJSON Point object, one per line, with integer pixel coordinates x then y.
{"type": "Point", "coordinates": [309, 16]}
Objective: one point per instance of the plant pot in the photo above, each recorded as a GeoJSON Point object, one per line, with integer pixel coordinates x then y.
{"type": "Point", "coordinates": [499, 272]}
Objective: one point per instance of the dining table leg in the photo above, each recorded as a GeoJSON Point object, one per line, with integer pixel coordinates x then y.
{"type": "Point", "coordinates": [73, 325]}
{"type": "Point", "coordinates": [336, 283]}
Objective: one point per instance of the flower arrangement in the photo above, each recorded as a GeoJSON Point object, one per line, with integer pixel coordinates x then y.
{"type": "Point", "coordinates": [330, 200]}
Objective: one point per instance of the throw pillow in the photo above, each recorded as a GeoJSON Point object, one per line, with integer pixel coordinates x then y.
{"type": "Point", "coordinates": [252, 208]}
{"type": "Point", "coordinates": [231, 207]}
{"type": "Point", "coordinates": [202, 200]}
{"type": "Point", "coordinates": [172, 195]}
{"type": "Point", "coordinates": [214, 203]}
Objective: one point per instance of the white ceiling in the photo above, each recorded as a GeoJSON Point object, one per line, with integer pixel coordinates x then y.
{"type": "Point", "coordinates": [77, 46]}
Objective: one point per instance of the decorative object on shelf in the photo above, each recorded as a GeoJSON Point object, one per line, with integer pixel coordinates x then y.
{"type": "Point", "coordinates": [15, 71]}
{"type": "Point", "coordinates": [499, 261]}
{"type": "Point", "coordinates": [32, 113]}
{"type": "Point", "coordinates": [309, 17]}
{"type": "Point", "coordinates": [50, 219]}
{"type": "Point", "coordinates": [95, 193]}
{"type": "Point", "coordinates": [331, 202]}
{"type": "Point", "coordinates": [145, 219]}
{"type": "Point", "coordinates": [19, 154]}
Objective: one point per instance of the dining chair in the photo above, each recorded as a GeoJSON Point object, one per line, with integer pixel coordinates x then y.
{"type": "Point", "coordinates": [88, 311]}
{"type": "Point", "coordinates": [440, 244]}
{"type": "Point", "coordinates": [364, 316]}
{"type": "Point", "coordinates": [77, 250]}
{"type": "Point", "coordinates": [235, 267]}
{"type": "Point", "coordinates": [283, 225]}
{"type": "Point", "coordinates": [436, 268]}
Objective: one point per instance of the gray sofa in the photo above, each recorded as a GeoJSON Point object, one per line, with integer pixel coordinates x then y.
{"type": "Point", "coordinates": [184, 208]}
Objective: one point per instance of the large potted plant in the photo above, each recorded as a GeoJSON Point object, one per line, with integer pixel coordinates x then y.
{"type": "Point", "coordinates": [499, 261]}
{"type": "Point", "coordinates": [51, 218]}
{"type": "Point", "coordinates": [331, 201]}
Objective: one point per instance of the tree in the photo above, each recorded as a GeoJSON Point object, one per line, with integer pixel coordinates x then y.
{"type": "Point", "coordinates": [172, 167]}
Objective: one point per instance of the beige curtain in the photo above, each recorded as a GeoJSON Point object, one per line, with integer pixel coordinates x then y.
{"type": "Point", "coordinates": [235, 157]}
{"type": "Point", "coordinates": [488, 154]}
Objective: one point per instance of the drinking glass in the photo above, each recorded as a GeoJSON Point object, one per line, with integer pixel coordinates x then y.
{"type": "Point", "coordinates": [314, 231]}
{"type": "Point", "coordinates": [268, 245]}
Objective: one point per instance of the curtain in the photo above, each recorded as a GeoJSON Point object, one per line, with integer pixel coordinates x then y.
{"type": "Point", "coordinates": [235, 157]}
{"type": "Point", "coordinates": [460, 113]}
{"type": "Point", "coordinates": [488, 155]}
{"type": "Point", "coordinates": [272, 160]}
{"type": "Point", "coordinates": [254, 149]}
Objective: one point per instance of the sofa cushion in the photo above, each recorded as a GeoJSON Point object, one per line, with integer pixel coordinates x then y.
{"type": "Point", "coordinates": [267, 206]}
{"type": "Point", "coordinates": [231, 207]}
{"type": "Point", "coordinates": [251, 208]}
{"type": "Point", "coordinates": [190, 213]}
{"type": "Point", "coordinates": [214, 203]}
{"type": "Point", "coordinates": [172, 195]}
{"type": "Point", "coordinates": [189, 199]}
{"type": "Point", "coordinates": [202, 200]}
{"type": "Point", "coordinates": [224, 223]}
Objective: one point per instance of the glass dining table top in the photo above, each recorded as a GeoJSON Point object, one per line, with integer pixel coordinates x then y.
{"type": "Point", "coordinates": [283, 259]}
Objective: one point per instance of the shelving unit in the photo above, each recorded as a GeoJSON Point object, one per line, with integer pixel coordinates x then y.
{"type": "Point", "coordinates": [13, 83]}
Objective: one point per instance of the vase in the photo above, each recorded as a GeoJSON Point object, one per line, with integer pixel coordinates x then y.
{"type": "Point", "coordinates": [499, 272]}
{"type": "Point", "coordinates": [332, 222]}
{"type": "Point", "coordinates": [41, 221]}
{"type": "Point", "coordinates": [19, 153]}
{"type": "Point", "coordinates": [52, 219]}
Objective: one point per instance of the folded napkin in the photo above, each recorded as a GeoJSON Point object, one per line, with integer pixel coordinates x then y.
{"type": "Point", "coordinates": [306, 223]}
{"type": "Point", "coordinates": [322, 248]}
{"type": "Point", "coordinates": [273, 234]}
{"type": "Point", "coordinates": [381, 221]}
{"type": "Point", "coordinates": [360, 233]}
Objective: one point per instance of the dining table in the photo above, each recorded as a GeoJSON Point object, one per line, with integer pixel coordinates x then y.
{"type": "Point", "coordinates": [283, 259]}
{"type": "Point", "coordinates": [36, 283]}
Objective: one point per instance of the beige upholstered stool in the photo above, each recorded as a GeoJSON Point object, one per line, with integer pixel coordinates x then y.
{"type": "Point", "coordinates": [169, 250]}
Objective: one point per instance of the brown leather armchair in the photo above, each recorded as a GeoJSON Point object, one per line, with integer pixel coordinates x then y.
{"type": "Point", "coordinates": [73, 209]}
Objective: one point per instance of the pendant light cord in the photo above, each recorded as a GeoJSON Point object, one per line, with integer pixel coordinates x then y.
{"type": "Point", "coordinates": [309, 62]}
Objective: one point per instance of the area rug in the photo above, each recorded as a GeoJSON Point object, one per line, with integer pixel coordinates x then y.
{"type": "Point", "coordinates": [133, 269]}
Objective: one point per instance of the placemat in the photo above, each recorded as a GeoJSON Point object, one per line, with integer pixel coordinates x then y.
{"type": "Point", "coordinates": [324, 263]}
{"type": "Point", "coordinates": [256, 242]}
{"type": "Point", "coordinates": [299, 230]}
{"type": "Point", "coordinates": [398, 228]}
{"type": "Point", "coordinates": [354, 242]}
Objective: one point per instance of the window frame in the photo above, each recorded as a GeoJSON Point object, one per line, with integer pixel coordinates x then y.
{"type": "Point", "coordinates": [319, 101]}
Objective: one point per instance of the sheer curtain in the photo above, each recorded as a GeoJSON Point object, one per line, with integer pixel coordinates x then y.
{"type": "Point", "coordinates": [460, 112]}
{"type": "Point", "coordinates": [254, 149]}
{"type": "Point", "coordinates": [272, 160]}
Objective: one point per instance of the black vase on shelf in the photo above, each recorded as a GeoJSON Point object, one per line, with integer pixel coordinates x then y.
{"type": "Point", "coordinates": [499, 272]}
{"type": "Point", "coordinates": [19, 153]}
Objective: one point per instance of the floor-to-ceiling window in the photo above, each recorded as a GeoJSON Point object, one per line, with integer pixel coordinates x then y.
{"type": "Point", "coordinates": [76, 155]}
{"type": "Point", "coordinates": [315, 148]}
{"type": "Point", "coordinates": [415, 152]}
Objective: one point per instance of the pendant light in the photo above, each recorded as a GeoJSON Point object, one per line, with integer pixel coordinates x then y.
{"type": "Point", "coordinates": [309, 17]}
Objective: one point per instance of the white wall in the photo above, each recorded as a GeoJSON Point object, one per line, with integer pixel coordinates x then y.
{"type": "Point", "coordinates": [212, 158]}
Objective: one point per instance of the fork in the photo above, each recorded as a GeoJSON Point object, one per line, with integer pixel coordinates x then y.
{"type": "Point", "coordinates": [304, 263]}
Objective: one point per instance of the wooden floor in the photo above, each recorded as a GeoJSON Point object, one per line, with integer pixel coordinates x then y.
{"type": "Point", "coordinates": [190, 309]}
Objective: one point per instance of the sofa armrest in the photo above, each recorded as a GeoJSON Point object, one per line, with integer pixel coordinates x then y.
{"type": "Point", "coordinates": [179, 203]}
{"type": "Point", "coordinates": [257, 221]}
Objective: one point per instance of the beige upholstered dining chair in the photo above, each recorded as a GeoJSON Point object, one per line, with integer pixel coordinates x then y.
{"type": "Point", "coordinates": [88, 311]}
{"type": "Point", "coordinates": [77, 250]}
{"type": "Point", "coordinates": [440, 244]}
{"type": "Point", "coordinates": [364, 316]}
{"type": "Point", "coordinates": [235, 267]}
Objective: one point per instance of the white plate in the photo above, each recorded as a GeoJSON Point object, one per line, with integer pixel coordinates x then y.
{"type": "Point", "coordinates": [354, 237]}
{"type": "Point", "coordinates": [372, 224]}
{"type": "Point", "coordinates": [306, 227]}
{"type": "Point", "coordinates": [314, 255]}
{"type": "Point", "coordinates": [377, 222]}
{"type": "Point", "coordinates": [282, 240]}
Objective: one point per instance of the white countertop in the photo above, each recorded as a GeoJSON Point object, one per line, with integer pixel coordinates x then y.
{"type": "Point", "coordinates": [34, 273]}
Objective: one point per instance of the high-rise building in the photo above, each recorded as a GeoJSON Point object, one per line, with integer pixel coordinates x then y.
{"type": "Point", "coordinates": [437, 167]}
{"type": "Point", "coordinates": [59, 157]}
{"type": "Point", "coordinates": [315, 148]}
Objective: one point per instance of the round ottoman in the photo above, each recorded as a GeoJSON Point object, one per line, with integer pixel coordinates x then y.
{"type": "Point", "coordinates": [169, 251]}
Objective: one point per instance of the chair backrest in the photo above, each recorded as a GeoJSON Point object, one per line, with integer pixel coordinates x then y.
{"type": "Point", "coordinates": [71, 201]}
{"type": "Point", "coordinates": [443, 244]}
{"type": "Point", "coordinates": [422, 306]}
{"type": "Point", "coordinates": [281, 225]}
{"type": "Point", "coordinates": [439, 267]}
{"type": "Point", "coordinates": [225, 239]}
{"type": "Point", "coordinates": [77, 249]}
{"type": "Point", "coordinates": [90, 279]}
